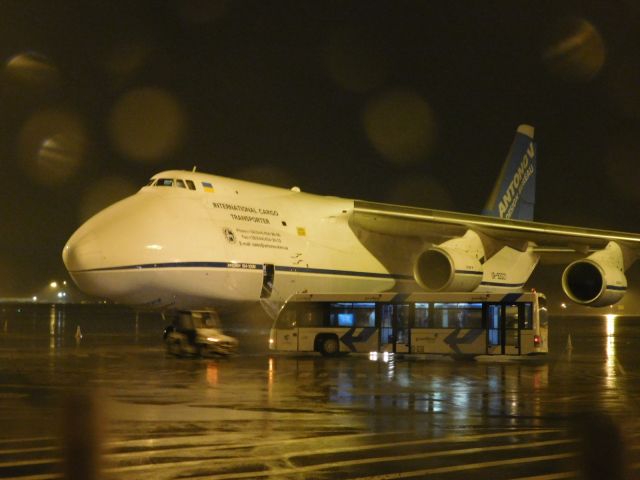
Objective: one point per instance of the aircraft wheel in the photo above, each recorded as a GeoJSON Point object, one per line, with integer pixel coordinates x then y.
{"type": "Point", "coordinates": [329, 346]}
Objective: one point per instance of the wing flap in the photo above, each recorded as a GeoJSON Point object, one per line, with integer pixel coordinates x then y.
{"type": "Point", "coordinates": [438, 225]}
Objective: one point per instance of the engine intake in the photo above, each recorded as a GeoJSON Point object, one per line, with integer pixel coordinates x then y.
{"type": "Point", "coordinates": [438, 269]}
{"type": "Point", "coordinates": [452, 266]}
{"type": "Point", "coordinates": [597, 280]}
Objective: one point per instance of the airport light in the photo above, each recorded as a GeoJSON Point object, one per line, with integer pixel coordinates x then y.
{"type": "Point", "coordinates": [53, 284]}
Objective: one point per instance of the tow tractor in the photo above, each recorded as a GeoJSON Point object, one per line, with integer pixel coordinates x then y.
{"type": "Point", "coordinates": [198, 334]}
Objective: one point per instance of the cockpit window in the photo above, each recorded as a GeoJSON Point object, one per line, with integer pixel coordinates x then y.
{"type": "Point", "coordinates": [180, 183]}
{"type": "Point", "coordinates": [164, 182]}
{"type": "Point", "coordinates": [191, 185]}
{"type": "Point", "coordinates": [150, 182]}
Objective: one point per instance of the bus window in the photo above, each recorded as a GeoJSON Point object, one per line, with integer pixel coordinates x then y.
{"type": "Point", "coordinates": [352, 315]}
{"type": "Point", "coordinates": [422, 315]}
{"type": "Point", "coordinates": [287, 319]}
{"type": "Point", "coordinates": [543, 312]}
{"type": "Point", "coordinates": [527, 321]}
{"type": "Point", "coordinates": [311, 315]}
{"type": "Point", "coordinates": [457, 315]}
{"type": "Point", "coordinates": [511, 317]}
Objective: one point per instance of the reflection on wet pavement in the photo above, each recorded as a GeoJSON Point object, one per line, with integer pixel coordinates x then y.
{"type": "Point", "coordinates": [259, 415]}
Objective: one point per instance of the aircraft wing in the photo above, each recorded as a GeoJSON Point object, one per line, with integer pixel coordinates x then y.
{"type": "Point", "coordinates": [437, 226]}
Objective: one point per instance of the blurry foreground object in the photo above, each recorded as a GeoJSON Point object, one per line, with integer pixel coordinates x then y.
{"type": "Point", "coordinates": [602, 448]}
{"type": "Point", "coordinates": [83, 434]}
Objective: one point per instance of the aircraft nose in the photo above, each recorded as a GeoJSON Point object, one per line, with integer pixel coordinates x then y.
{"type": "Point", "coordinates": [82, 252]}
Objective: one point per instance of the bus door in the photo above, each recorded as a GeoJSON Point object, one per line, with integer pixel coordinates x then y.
{"type": "Point", "coordinates": [286, 331]}
{"type": "Point", "coordinates": [503, 332]}
{"type": "Point", "coordinates": [511, 329]}
{"type": "Point", "coordinates": [394, 328]}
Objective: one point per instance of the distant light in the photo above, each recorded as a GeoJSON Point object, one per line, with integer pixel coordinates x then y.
{"type": "Point", "coordinates": [53, 284]}
{"type": "Point", "coordinates": [34, 298]}
{"type": "Point", "coordinates": [611, 324]}
{"type": "Point", "coordinates": [563, 305]}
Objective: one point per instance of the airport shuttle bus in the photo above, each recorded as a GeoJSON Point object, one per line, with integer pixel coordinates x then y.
{"type": "Point", "coordinates": [465, 324]}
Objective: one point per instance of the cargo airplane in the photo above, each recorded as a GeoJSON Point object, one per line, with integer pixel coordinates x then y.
{"type": "Point", "coordinates": [192, 241]}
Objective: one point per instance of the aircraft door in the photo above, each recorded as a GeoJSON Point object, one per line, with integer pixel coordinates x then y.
{"type": "Point", "coordinates": [268, 279]}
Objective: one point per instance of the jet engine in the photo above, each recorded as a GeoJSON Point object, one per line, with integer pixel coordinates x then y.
{"type": "Point", "coordinates": [455, 265]}
{"type": "Point", "coordinates": [597, 280]}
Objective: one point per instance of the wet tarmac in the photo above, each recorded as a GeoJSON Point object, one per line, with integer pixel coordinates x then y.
{"type": "Point", "coordinates": [113, 404]}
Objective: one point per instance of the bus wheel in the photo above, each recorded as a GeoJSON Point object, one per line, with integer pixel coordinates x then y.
{"type": "Point", "coordinates": [329, 346]}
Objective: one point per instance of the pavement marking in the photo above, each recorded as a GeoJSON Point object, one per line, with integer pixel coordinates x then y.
{"type": "Point", "coordinates": [356, 462]}
{"type": "Point", "coordinates": [449, 439]}
{"type": "Point", "coordinates": [550, 476]}
{"type": "Point", "coordinates": [44, 476]}
{"type": "Point", "coordinates": [469, 466]}
{"type": "Point", "coordinates": [29, 450]}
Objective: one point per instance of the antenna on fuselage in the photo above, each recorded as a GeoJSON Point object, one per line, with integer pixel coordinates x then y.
{"type": "Point", "coordinates": [194, 168]}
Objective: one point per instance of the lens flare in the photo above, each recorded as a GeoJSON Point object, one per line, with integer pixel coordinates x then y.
{"type": "Point", "coordinates": [147, 125]}
{"type": "Point", "coordinates": [52, 146]}
{"type": "Point", "coordinates": [575, 50]}
{"type": "Point", "coordinates": [401, 126]}
{"type": "Point", "coordinates": [31, 72]}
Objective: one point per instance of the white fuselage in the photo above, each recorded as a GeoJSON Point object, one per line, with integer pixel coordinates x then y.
{"type": "Point", "coordinates": [170, 247]}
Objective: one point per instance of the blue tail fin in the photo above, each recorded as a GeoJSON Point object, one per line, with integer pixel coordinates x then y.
{"type": "Point", "coordinates": [514, 194]}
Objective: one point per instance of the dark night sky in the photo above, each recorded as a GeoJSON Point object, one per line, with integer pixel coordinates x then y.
{"type": "Point", "coordinates": [399, 101]}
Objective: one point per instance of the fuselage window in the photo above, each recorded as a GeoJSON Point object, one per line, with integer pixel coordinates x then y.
{"type": "Point", "coordinates": [164, 182]}
{"type": "Point", "coordinates": [191, 185]}
{"type": "Point", "coordinates": [180, 183]}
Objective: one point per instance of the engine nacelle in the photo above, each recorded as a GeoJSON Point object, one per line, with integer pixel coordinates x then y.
{"type": "Point", "coordinates": [597, 280]}
{"type": "Point", "coordinates": [452, 266]}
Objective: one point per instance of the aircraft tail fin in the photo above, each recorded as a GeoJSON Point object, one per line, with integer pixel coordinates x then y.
{"type": "Point", "coordinates": [514, 194]}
